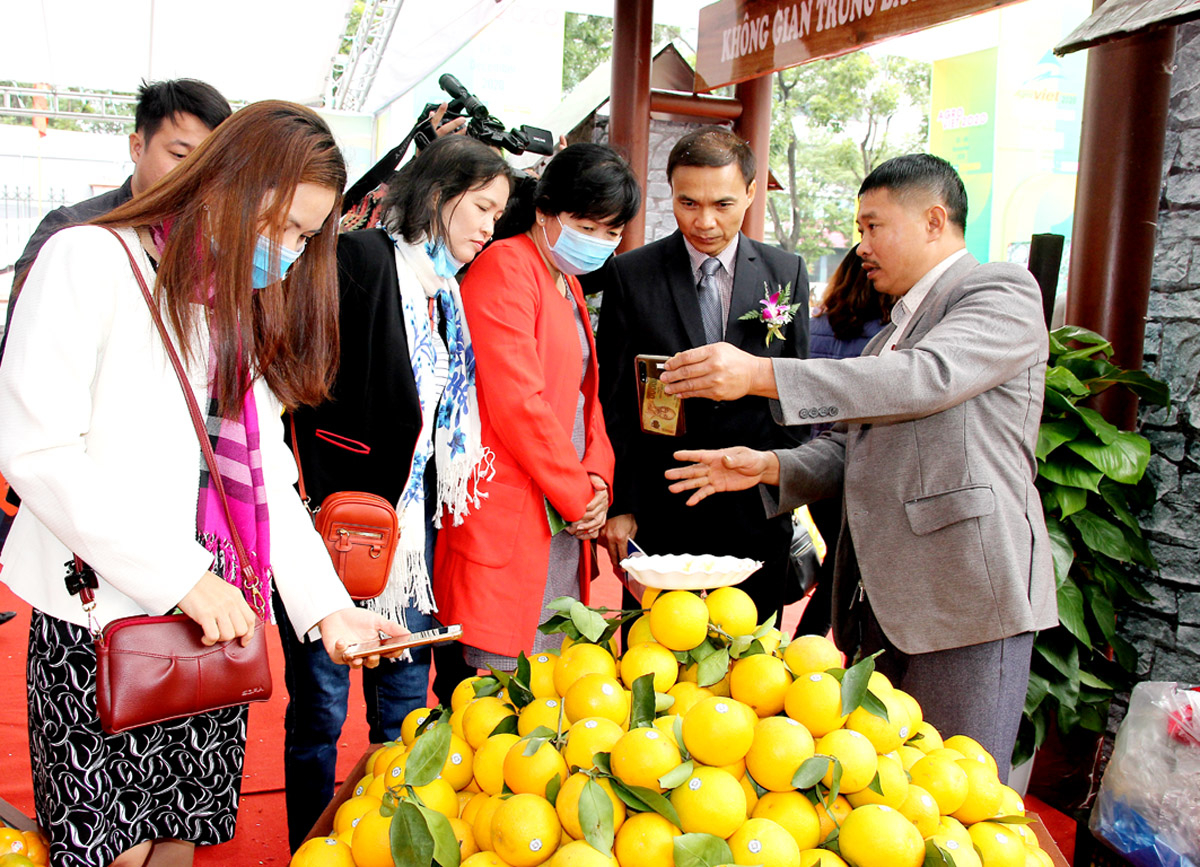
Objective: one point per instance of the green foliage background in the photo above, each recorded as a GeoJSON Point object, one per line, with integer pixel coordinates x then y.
{"type": "Point", "coordinates": [1091, 479]}
{"type": "Point", "coordinates": [833, 123]}
{"type": "Point", "coordinates": [587, 42]}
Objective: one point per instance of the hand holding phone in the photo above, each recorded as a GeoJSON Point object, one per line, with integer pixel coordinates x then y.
{"type": "Point", "coordinates": [392, 646]}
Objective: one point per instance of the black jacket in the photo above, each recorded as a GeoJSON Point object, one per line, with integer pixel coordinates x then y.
{"type": "Point", "coordinates": [363, 439]}
{"type": "Point", "coordinates": [650, 306]}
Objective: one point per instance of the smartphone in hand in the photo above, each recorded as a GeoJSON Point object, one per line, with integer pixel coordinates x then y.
{"type": "Point", "coordinates": [384, 646]}
{"type": "Point", "coordinates": [659, 412]}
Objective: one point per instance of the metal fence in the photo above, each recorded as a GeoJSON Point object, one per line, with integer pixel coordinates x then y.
{"type": "Point", "coordinates": [21, 209]}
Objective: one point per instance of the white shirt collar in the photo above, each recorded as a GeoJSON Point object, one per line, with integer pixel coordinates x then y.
{"type": "Point", "coordinates": [913, 297]}
{"type": "Point", "coordinates": [727, 257]}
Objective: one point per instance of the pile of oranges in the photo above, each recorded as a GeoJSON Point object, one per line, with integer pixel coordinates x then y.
{"type": "Point", "coordinates": [708, 742]}
{"type": "Point", "coordinates": [23, 848]}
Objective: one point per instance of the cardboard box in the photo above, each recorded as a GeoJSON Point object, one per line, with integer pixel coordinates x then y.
{"type": "Point", "coordinates": [324, 825]}
{"type": "Point", "coordinates": [14, 818]}
{"type": "Point", "coordinates": [1047, 842]}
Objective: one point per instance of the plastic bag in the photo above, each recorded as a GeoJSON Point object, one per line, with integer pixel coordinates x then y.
{"type": "Point", "coordinates": [1148, 808]}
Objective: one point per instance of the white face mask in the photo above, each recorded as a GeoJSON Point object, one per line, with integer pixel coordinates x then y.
{"type": "Point", "coordinates": [262, 262]}
{"type": "Point", "coordinates": [576, 252]}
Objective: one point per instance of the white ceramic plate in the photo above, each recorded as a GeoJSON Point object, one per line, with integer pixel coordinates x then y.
{"type": "Point", "coordinates": [689, 571]}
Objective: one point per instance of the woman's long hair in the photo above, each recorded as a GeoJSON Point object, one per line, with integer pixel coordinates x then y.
{"type": "Point", "coordinates": [237, 184]}
{"type": "Point", "coordinates": [851, 301]}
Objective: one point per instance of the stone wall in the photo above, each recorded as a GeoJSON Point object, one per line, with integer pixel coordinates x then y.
{"type": "Point", "coordinates": [660, 219]}
{"type": "Point", "coordinates": [1166, 632]}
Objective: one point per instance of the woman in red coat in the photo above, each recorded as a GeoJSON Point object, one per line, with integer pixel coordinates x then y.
{"type": "Point", "coordinates": [528, 542]}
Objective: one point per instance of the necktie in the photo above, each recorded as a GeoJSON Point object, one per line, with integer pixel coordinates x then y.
{"type": "Point", "coordinates": [899, 316]}
{"type": "Point", "coordinates": [710, 300]}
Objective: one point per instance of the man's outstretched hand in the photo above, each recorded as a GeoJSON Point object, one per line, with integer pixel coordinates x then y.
{"type": "Point", "coordinates": [711, 472]}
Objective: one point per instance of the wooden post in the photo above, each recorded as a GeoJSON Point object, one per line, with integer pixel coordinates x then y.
{"type": "Point", "coordinates": [1116, 199]}
{"type": "Point", "coordinates": [754, 126]}
{"type": "Point", "coordinates": [629, 105]}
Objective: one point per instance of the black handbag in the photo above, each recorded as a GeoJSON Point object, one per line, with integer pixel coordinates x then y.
{"type": "Point", "coordinates": [802, 565]}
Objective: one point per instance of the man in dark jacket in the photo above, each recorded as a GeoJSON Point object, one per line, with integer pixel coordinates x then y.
{"type": "Point", "coordinates": [171, 119]}
{"type": "Point", "coordinates": [690, 289]}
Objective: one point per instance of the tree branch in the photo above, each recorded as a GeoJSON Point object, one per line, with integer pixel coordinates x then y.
{"type": "Point", "coordinates": [784, 240]}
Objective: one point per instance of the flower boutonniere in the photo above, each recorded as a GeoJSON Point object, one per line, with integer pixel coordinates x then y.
{"type": "Point", "coordinates": [776, 312]}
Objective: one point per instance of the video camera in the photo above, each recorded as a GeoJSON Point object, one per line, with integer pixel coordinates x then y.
{"type": "Point", "coordinates": [482, 125]}
{"type": "Point", "coordinates": [364, 195]}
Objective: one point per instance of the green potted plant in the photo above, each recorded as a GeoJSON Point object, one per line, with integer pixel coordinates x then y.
{"type": "Point", "coordinates": [1090, 476]}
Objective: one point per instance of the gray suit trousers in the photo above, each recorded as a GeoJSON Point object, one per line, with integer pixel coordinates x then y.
{"type": "Point", "coordinates": [977, 691]}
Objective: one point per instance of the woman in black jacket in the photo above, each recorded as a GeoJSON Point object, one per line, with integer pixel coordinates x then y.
{"type": "Point", "coordinates": [403, 424]}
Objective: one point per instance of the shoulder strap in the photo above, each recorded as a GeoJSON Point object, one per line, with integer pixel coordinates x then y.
{"type": "Point", "coordinates": [193, 408]}
{"type": "Point", "coordinates": [296, 454]}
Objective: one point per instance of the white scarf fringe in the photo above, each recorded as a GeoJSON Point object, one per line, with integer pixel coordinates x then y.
{"type": "Point", "coordinates": [409, 583]}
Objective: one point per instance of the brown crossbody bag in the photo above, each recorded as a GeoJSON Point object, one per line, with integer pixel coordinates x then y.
{"type": "Point", "coordinates": [150, 669]}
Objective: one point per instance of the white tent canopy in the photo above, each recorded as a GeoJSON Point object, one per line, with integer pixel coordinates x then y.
{"type": "Point", "coordinates": [247, 50]}
{"type": "Point", "coordinates": [427, 32]}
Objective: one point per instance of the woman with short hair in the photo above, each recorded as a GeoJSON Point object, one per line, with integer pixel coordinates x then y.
{"type": "Point", "coordinates": [529, 540]}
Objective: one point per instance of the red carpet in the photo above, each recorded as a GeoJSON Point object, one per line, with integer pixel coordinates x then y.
{"type": "Point", "coordinates": [262, 824]}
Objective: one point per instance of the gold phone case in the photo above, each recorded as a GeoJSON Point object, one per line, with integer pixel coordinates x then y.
{"type": "Point", "coordinates": [659, 412]}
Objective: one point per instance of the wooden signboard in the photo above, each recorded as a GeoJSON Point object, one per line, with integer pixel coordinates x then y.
{"type": "Point", "coordinates": [743, 39]}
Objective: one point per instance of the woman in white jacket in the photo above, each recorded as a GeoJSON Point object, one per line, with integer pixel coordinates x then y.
{"type": "Point", "coordinates": [96, 437]}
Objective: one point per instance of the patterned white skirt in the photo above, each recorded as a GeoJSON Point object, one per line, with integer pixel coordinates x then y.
{"type": "Point", "coordinates": [98, 795]}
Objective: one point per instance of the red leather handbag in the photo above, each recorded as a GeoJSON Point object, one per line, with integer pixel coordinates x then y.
{"type": "Point", "coordinates": [151, 669]}
{"type": "Point", "coordinates": [360, 531]}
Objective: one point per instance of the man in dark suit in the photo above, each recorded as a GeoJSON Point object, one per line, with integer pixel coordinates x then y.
{"type": "Point", "coordinates": [687, 290]}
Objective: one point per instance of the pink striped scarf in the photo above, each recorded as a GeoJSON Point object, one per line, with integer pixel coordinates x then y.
{"type": "Point", "coordinates": [237, 447]}
{"type": "Point", "coordinates": [236, 443]}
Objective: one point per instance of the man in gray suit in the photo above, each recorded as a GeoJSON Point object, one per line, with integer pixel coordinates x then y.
{"type": "Point", "coordinates": [943, 560]}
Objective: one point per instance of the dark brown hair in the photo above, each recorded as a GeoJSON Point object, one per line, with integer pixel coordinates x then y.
{"type": "Point", "coordinates": [443, 171]}
{"type": "Point", "coordinates": [239, 182]}
{"type": "Point", "coordinates": [712, 147]}
{"type": "Point", "coordinates": [591, 182]}
{"type": "Point", "coordinates": [922, 173]}
{"type": "Point", "coordinates": [160, 100]}
{"type": "Point", "coordinates": [851, 301]}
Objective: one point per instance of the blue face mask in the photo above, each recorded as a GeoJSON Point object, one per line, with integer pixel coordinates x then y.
{"type": "Point", "coordinates": [444, 264]}
{"type": "Point", "coordinates": [262, 262]}
{"type": "Point", "coordinates": [576, 252]}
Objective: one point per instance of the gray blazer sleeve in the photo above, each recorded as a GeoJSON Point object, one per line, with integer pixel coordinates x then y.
{"type": "Point", "coordinates": [813, 471]}
{"type": "Point", "coordinates": [984, 331]}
